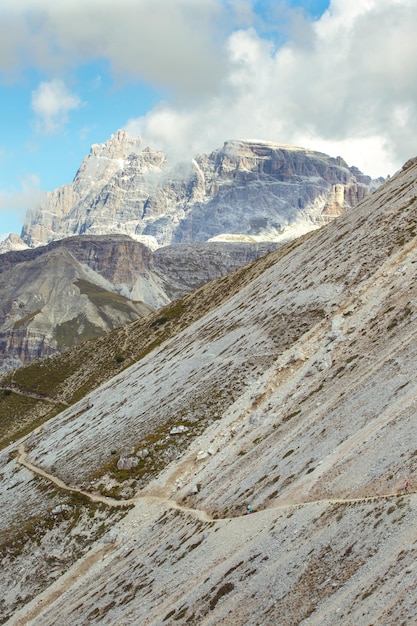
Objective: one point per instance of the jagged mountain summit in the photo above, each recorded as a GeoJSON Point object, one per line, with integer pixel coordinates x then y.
{"type": "Point", "coordinates": [288, 385]}
{"type": "Point", "coordinates": [244, 190]}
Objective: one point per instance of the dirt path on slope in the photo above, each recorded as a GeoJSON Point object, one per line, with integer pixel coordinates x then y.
{"type": "Point", "coordinates": [199, 513]}
{"type": "Point", "coordinates": [96, 497]}
{"type": "Point", "coordinates": [81, 567]}
{"type": "Point", "coordinates": [34, 396]}
{"type": "Point", "coordinates": [21, 459]}
{"type": "Point", "coordinates": [86, 562]}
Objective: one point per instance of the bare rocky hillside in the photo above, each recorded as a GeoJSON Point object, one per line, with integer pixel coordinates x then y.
{"type": "Point", "coordinates": [290, 386]}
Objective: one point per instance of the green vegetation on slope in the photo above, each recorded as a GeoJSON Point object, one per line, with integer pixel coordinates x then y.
{"type": "Point", "coordinates": [101, 297]}
{"type": "Point", "coordinates": [25, 320]}
{"type": "Point", "coordinates": [77, 330]}
{"type": "Point", "coordinates": [20, 414]}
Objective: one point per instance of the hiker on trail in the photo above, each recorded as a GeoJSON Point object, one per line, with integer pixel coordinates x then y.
{"type": "Point", "coordinates": [249, 509]}
{"type": "Point", "coordinates": [406, 485]}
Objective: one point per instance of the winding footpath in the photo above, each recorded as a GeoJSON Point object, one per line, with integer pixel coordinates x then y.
{"type": "Point", "coordinates": [96, 497]}
{"type": "Point", "coordinates": [173, 504]}
{"type": "Point", "coordinates": [34, 396]}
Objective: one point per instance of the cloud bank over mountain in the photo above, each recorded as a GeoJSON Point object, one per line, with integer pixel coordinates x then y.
{"type": "Point", "coordinates": [343, 84]}
{"type": "Point", "coordinates": [147, 40]}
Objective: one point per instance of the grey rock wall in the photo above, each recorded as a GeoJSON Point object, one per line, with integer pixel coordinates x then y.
{"type": "Point", "coordinates": [245, 189]}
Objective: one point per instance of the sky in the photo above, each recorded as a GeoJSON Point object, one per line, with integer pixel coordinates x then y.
{"type": "Point", "coordinates": [338, 76]}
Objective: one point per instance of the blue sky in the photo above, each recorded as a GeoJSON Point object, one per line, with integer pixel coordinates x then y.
{"type": "Point", "coordinates": [337, 76]}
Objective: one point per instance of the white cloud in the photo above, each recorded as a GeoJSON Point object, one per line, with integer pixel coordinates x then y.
{"type": "Point", "coordinates": [175, 44]}
{"type": "Point", "coordinates": [28, 196]}
{"type": "Point", "coordinates": [348, 84]}
{"type": "Point", "coordinates": [52, 102]}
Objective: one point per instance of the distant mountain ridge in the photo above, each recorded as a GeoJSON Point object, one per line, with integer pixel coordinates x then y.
{"type": "Point", "coordinates": [59, 295]}
{"type": "Point", "coordinates": [128, 197]}
{"type": "Point", "coordinates": [245, 190]}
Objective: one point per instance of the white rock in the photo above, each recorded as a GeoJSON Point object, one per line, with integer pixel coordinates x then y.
{"type": "Point", "coordinates": [61, 508]}
{"type": "Point", "coordinates": [127, 463]}
{"type": "Point", "coordinates": [177, 430]}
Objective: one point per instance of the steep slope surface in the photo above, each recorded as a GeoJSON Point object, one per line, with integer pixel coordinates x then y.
{"type": "Point", "coordinates": [295, 392]}
{"type": "Point", "coordinates": [252, 190]}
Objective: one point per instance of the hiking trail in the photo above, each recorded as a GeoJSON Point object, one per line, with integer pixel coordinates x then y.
{"type": "Point", "coordinates": [199, 513]}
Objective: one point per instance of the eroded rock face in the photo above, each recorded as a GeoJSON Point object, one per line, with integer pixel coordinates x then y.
{"type": "Point", "coordinates": [185, 267]}
{"type": "Point", "coordinates": [19, 346]}
{"type": "Point", "coordinates": [249, 189]}
{"type": "Point", "coordinates": [57, 296]}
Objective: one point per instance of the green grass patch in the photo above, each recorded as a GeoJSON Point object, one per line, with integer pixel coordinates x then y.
{"type": "Point", "coordinates": [76, 330]}
{"type": "Point", "coordinates": [102, 297]}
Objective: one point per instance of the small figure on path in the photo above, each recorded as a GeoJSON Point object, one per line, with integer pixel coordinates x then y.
{"type": "Point", "coordinates": [249, 509]}
{"type": "Point", "coordinates": [406, 485]}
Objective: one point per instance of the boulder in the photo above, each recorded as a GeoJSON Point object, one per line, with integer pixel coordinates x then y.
{"type": "Point", "coordinates": [61, 508]}
{"type": "Point", "coordinates": [178, 430]}
{"type": "Point", "coordinates": [127, 463]}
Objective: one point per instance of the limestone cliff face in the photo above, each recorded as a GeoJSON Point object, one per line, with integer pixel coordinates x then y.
{"type": "Point", "coordinates": [23, 345]}
{"type": "Point", "coordinates": [260, 189]}
{"type": "Point", "coordinates": [101, 181]}
{"type": "Point", "coordinates": [247, 189]}
{"type": "Point", "coordinates": [183, 268]}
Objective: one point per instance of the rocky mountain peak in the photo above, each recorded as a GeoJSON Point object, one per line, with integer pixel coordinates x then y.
{"type": "Point", "coordinates": [120, 145]}
{"type": "Point", "coordinates": [249, 190]}
{"type": "Point", "coordinates": [12, 242]}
